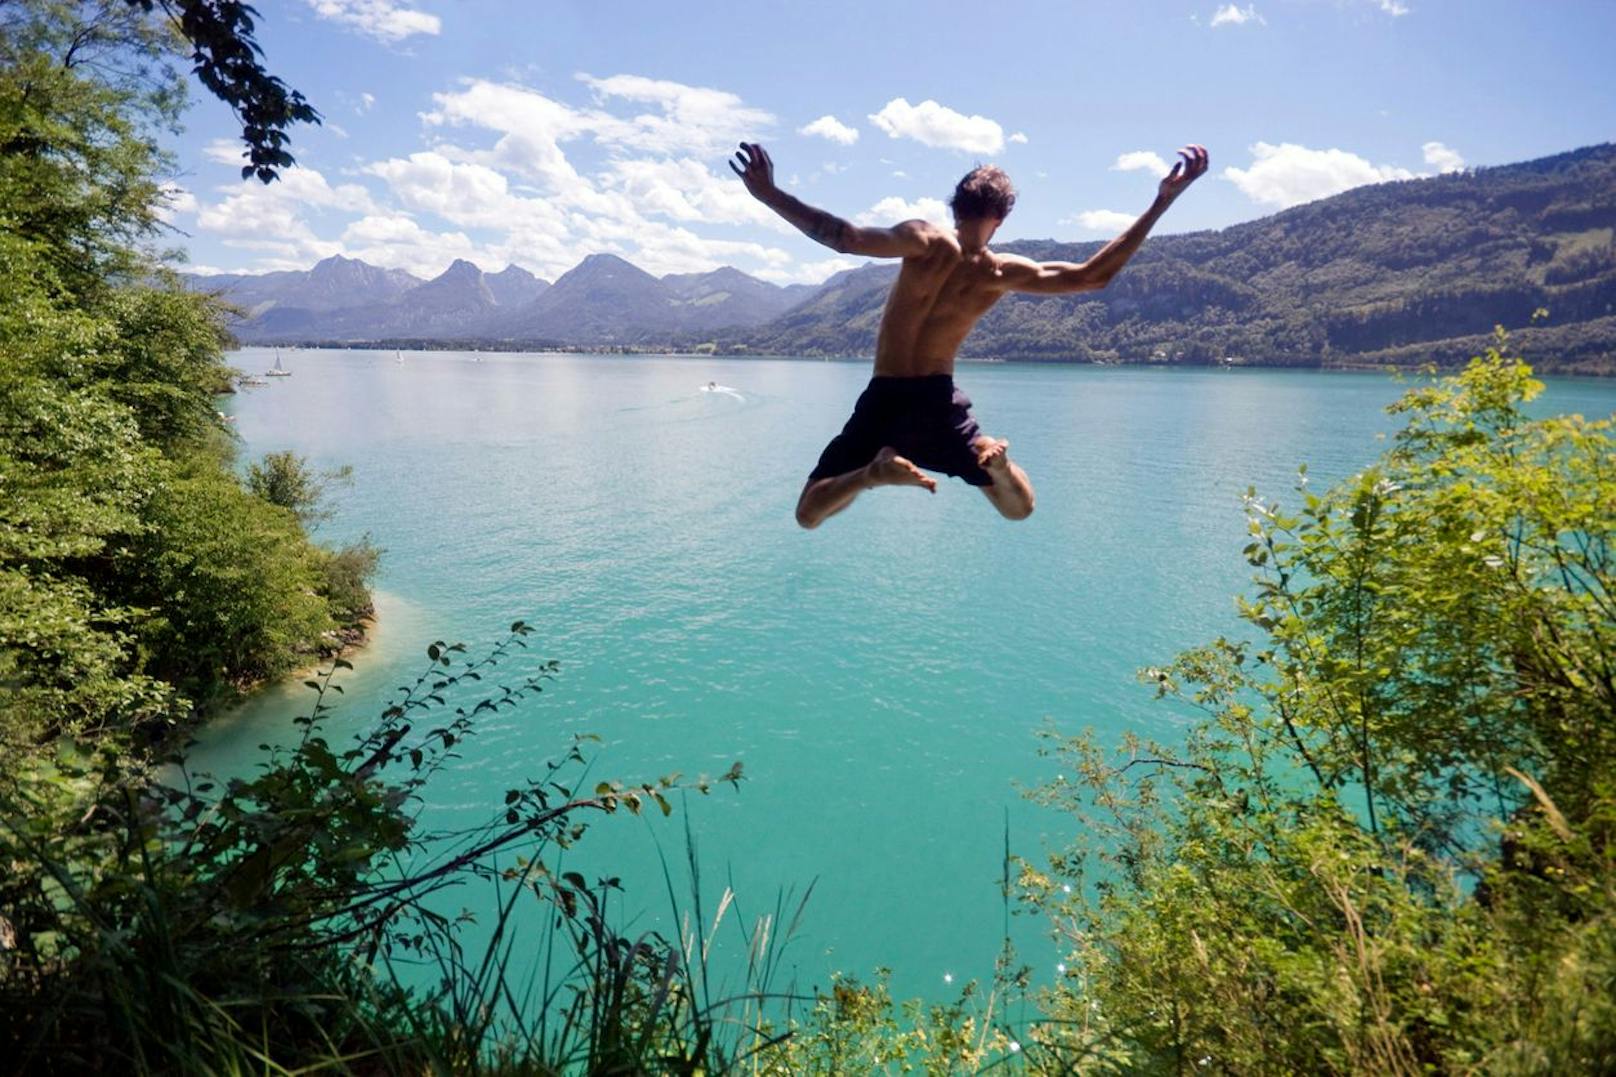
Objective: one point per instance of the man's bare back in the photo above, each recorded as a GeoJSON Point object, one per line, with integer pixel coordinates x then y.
{"type": "Point", "coordinates": [912, 416]}
{"type": "Point", "coordinates": [933, 306]}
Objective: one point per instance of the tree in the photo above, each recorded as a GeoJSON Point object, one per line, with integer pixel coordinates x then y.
{"type": "Point", "coordinates": [82, 104]}
{"type": "Point", "coordinates": [286, 479]}
{"type": "Point", "coordinates": [115, 468]}
{"type": "Point", "coordinates": [1390, 843]}
{"type": "Point", "coordinates": [226, 60]}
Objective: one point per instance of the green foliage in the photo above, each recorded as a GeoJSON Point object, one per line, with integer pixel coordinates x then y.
{"type": "Point", "coordinates": [1388, 845]}
{"type": "Point", "coordinates": [127, 547]}
{"type": "Point", "coordinates": [346, 575]}
{"type": "Point", "coordinates": [287, 480]}
{"type": "Point", "coordinates": [129, 553]}
{"type": "Point", "coordinates": [857, 1028]}
{"type": "Point", "coordinates": [67, 665]}
{"type": "Point", "coordinates": [166, 923]}
{"type": "Point", "coordinates": [84, 92]}
{"type": "Point", "coordinates": [138, 579]}
{"type": "Point", "coordinates": [165, 364]}
{"type": "Point", "coordinates": [226, 581]}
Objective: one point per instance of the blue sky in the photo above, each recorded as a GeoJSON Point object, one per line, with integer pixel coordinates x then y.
{"type": "Point", "coordinates": [544, 131]}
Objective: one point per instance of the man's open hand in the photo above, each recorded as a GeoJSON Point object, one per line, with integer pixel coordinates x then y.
{"type": "Point", "coordinates": [1191, 167]}
{"type": "Point", "coordinates": [752, 164]}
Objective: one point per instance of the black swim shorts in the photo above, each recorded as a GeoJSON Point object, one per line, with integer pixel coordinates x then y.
{"type": "Point", "coordinates": [926, 419]}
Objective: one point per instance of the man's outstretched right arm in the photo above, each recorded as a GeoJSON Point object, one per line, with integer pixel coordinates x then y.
{"type": "Point", "coordinates": [907, 240]}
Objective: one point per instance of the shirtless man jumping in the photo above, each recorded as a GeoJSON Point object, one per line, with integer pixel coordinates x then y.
{"type": "Point", "coordinates": [912, 416]}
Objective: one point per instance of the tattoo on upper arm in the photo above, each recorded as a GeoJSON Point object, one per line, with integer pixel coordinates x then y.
{"type": "Point", "coordinates": [829, 229]}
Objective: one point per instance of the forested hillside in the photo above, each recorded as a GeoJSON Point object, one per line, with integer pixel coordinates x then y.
{"type": "Point", "coordinates": [1410, 271]}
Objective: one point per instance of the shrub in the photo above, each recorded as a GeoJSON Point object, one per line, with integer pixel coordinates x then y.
{"type": "Point", "coordinates": [1387, 846]}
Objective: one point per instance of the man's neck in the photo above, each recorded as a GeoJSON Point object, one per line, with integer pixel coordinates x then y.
{"type": "Point", "coordinates": [973, 236]}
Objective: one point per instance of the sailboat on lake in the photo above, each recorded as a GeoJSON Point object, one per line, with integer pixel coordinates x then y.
{"type": "Point", "coordinates": [279, 371]}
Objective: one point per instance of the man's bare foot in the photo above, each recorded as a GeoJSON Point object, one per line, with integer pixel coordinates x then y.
{"type": "Point", "coordinates": [992, 454]}
{"type": "Point", "coordinates": [890, 469]}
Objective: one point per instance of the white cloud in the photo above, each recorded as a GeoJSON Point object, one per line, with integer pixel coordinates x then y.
{"type": "Point", "coordinates": [806, 272]}
{"type": "Point", "coordinates": [273, 218]}
{"type": "Point", "coordinates": [1442, 158]}
{"type": "Point", "coordinates": [1141, 161]}
{"type": "Point", "coordinates": [636, 205]}
{"type": "Point", "coordinates": [634, 201]}
{"type": "Point", "coordinates": [531, 128]}
{"type": "Point", "coordinates": [892, 209]}
{"type": "Point", "coordinates": [691, 118]}
{"type": "Point", "coordinates": [336, 129]}
{"type": "Point", "coordinates": [504, 179]}
{"type": "Point", "coordinates": [1393, 8]}
{"type": "Point", "coordinates": [224, 151]}
{"type": "Point", "coordinates": [935, 125]}
{"type": "Point", "coordinates": [832, 128]}
{"type": "Point", "coordinates": [396, 241]}
{"type": "Point", "coordinates": [1101, 220]}
{"type": "Point", "coordinates": [1019, 136]}
{"type": "Point", "coordinates": [685, 189]}
{"type": "Point", "coordinates": [173, 201]}
{"type": "Point", "coordinates": [383, 20]}
{"type": "Point", "coordinates": [1231, 15]}
{"type": "Point", "coordinates": [466, 194]}
{"type": "Point", "coordinates": [1289, 174]}
{"type": "Point", "coordinates": [297, 189]}
{"type": "Point", "coordinates": [367, 101]}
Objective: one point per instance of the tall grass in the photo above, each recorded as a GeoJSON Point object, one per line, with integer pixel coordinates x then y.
{"type": "Point", "coordinates": [289, 921]}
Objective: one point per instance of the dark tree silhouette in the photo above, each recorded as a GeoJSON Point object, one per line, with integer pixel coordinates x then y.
{"type": "Point", "coordinates": [228, 62]}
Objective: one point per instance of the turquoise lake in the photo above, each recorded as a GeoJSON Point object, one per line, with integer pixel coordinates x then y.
{"type": "Point", "coordinates": [882, 679]}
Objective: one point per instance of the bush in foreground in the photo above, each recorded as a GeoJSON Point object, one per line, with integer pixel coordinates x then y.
{"type": "Point", "coordinates": [1389, 844]}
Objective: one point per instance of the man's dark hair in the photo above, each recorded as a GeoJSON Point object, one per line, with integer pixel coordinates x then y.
{"type": "Point", "coordinates": [984, 192]}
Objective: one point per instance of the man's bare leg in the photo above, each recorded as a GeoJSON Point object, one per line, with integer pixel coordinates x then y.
{"type": "Point", "coordinates": [1011, 492]}
{"type": "Point", "coordinates": [823, 498]}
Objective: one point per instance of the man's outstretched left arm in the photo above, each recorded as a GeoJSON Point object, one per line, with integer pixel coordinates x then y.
{"type": "Point", "coordinates": [1025, 275]}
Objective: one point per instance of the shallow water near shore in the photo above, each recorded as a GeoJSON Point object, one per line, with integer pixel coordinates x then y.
{"type": "Point", "coordinates": [881, 679]}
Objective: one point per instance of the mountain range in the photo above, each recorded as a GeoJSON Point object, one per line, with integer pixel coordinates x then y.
{"type": "Point", "coordinates": [1402, 272]}
{"type": "Point", "coordinates": [604, 300]}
